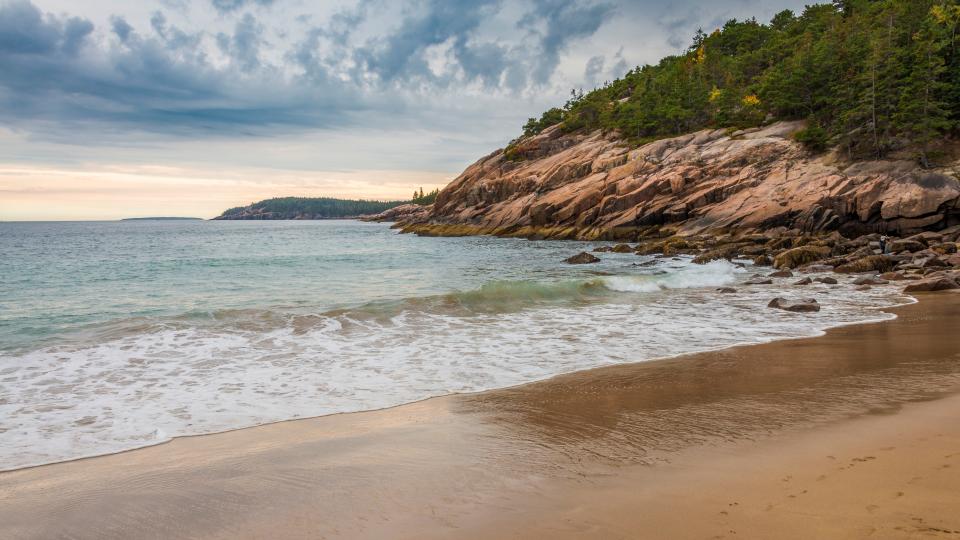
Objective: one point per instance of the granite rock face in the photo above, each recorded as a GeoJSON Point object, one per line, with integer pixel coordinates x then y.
{"type": "Point", "coordinates": [404, 212]}
{"type": "Point", "coordinates": [593, 186]}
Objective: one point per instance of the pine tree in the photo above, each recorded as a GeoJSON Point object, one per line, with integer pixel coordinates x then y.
{"type": "Point", "coordinates": [923, 114]}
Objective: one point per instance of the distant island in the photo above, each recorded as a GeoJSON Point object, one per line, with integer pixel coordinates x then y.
{"type": "Point", "coordinates": [319, 207]}
{"type": "Point", "coordinates": [161, 218]}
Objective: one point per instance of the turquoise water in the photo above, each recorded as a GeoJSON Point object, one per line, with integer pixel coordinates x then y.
{"type": "Point", "coordinates": [57, 279]}
{"type": "Point", "coordinates": [115, 335]}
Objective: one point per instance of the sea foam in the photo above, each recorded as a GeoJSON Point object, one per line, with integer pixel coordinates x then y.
{"type": "Point", "coordinates": [147, 380]}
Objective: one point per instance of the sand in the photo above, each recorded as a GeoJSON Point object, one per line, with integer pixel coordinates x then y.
{"type": "Point", "coordinates": [851, 435]}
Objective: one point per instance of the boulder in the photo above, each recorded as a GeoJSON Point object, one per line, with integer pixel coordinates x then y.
{"type": "Point", "coordinates": [603, 249]}
{"type": "Point", "coordinates": [808, 305]}
{"type": "Point", "coordinates": [782, 274]}
{"type": "Point", "coordinates": [622, 248]}
{"type": "Point", "coordinates": [872, 263]}
{"type": "Point", "coordinates": [582, 258]}
{"type": "Point", "coordinates": [726, 290]}
{"type": "Point", "coordinates": [899, 246]}
{"type": "Point", "coordinates": [799, 256]}
{"type": "Point", "coordinates": [893, 276]}
{"type": "Point", "coordinates": [817, 268]}
{"type": "Point", "coordinates": [941, 283]}
{"type": "Point", "coordinates": [935, 262]}
{"type": "Point", "coordinates": [762, 260]}
{"type": "Point", "coordinates": [946, 248]}
{"type": "Point", "coordinates": [953, 260]}
{"type": "Point", "coordinates": [826, 280]}
{"type": "Point", "coordinates": [759, 281]}
{"type": "Point", "coordinates": [926, 237]}
{"type": "Point", "coordinates": [868, 280]}
{"type": "Point", "coordinates": [804, 281]}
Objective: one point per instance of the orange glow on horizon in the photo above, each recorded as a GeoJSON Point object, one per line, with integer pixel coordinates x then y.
{"type": "Point", "coordinates": [29, 193]}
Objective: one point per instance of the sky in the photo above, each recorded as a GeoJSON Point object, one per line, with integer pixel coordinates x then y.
{"type": "Point", "coordinates": [115, 108]}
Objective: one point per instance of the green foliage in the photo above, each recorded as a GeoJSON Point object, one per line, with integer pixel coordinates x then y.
{"type": "Point", "coordinates": [551, 117]}
{"type": "Point", "coordinates": [424, 200]}
{"type": "Point", "coordinates": [813, 138]}
{"type": "Point", "coordinates": [873, 75]}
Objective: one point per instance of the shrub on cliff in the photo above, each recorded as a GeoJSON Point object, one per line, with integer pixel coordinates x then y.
{"type": "Point", "coordinates": [813, 138]}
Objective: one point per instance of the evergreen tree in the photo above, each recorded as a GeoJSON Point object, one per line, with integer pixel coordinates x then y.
{"type": "Point", "coordinates": [872, 75]}
{"type": "Point", "coordinates": [923, 114]}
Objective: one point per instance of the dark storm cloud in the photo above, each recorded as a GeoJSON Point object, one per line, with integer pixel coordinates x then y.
{"type": "Point", "coordinates": [24, 30]}
{"type": "Point", "coordinates": [59, 71]}
{"type": "Point", "coordinates": [564, 21]}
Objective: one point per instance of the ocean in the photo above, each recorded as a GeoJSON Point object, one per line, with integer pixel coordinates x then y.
{"type": "Point", "coordinates": [118, 335]}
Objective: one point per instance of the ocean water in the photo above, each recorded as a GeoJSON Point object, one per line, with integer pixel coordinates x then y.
{"type": "Point", "coordinates": [117, 335]}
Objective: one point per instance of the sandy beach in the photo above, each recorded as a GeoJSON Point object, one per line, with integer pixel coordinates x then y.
{"type": "Point", "coordinates": [850, 435]}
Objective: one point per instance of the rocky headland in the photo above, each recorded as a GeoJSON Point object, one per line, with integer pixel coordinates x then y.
{"type": "Point", "coordinates": [715, 194]}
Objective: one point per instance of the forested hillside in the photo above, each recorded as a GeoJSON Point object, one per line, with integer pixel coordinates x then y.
{"type": "Point", "coordinates": [870, 76]}
{"type": "Point", "coordinates": [307, 208]}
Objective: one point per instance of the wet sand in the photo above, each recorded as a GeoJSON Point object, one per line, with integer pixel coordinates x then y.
{"type": "Point", "coordinates": [850, 435]}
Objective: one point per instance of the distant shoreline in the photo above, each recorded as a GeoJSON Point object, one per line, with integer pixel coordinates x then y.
{"type": "Point", "coordinates": [162, 219]}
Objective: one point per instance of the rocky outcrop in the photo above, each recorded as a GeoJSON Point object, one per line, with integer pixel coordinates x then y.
{"type": "Point", "coordinates": [809, 305]}
{"type": "Point", "coordinates": [582, 258]}
{"type": "Point", "coordinates": [402, 213]}
{"type": "Point", "coordinates": [594, 186]}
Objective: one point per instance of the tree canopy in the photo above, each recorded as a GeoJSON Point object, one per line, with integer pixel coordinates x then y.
{"type": "Point", "coordinates": [870, 76]}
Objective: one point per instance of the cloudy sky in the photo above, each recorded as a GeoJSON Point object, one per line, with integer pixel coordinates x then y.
{"type": "Point", "coordinates": [114, 108]}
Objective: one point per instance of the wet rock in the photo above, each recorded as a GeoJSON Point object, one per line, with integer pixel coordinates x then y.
{"type": "Point", "coordinates": [872, 263]}
{"type": "Point", "coordinates": [863, 288]}
{"type": "Point", "coordinates": [868, 280]}
{"type": "Point", "coordinates": [726, 290]}
{"type": "Point", "coordinates": [905, 245]}
{"type": "Point", "coordinates": [941, 283]}
{"type": "Point", "coordinates": [759, 281]}
{"type": "Point", "coordinates": [808, 305]}
{"type": "Point", "coordinates": [935, 262]}
{"type": "Point", "coordinates": [946, 248]}
{"type": "Point", "coordinates": [622, 248]}
{"type": "Point", "coordinates": [799, 256]}
{"type": "Point", "coordinates": [782, 274]}
{"type": "Point", "coordinates": [727, 251]}
{"type": "Point", "coordinates": [582, 258]}
{"type": "Point", "coordinates": [926, 237]}
{"type": "Point", "coordinates": [893, 276]}
{"type": "Point", "coordinates": [762, 260]}
{"type": "Point", "coordinates": [804, 281]}
{"type": "Point", "coordinates": [817, 268]}
{"type": "Point", "coordinates": [826, 280]}
{"type": "Point", "coordinates": [603, 249]}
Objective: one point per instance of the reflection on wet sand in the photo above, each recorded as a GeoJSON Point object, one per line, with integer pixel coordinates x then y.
{"type": "Point", "coordinates": [640, 412]}
{"type": "Point", "coordinates": [435, 465]}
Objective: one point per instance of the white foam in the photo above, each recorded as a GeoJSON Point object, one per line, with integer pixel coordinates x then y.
{"type": "Point", "coordinates": [712, 274]}
{"type": "Point", "coordinates": [141, 389]}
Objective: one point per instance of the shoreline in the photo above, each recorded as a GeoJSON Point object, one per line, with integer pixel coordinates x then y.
{"type": "Point", "coordinates": [364, 474]}
{"type": "Point", "coordinates": [909, 300]}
